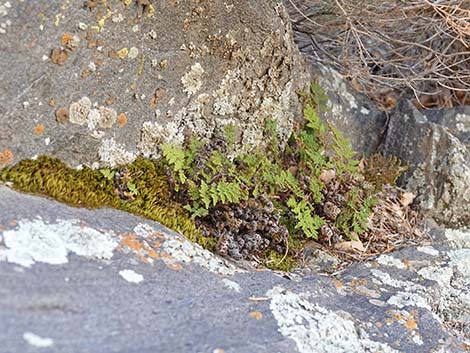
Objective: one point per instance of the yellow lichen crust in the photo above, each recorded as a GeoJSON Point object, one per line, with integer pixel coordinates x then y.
{"type": "Point", "coordinates": [150, 196]}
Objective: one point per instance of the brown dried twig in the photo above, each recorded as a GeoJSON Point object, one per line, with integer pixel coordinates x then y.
{"type": "Point", "coordinates": [418, 47]}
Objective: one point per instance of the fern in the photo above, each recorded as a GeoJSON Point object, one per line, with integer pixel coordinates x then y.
{"type": "Point", "coordinates": [230, 132]}
{"type": "Point", "coordinates": [206, 178]}
{"type": "Point", "coordinates": [306, 219]}
{"type": "Point", "coordinates": [176, 157]}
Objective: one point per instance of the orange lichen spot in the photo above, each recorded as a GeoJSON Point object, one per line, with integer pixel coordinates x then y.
{"type": "Point", "coordinates": [338, 284]}
{"type": "Point", "coordinates": [59, 56]}
{"type": "Point", "coordinates": [6, 157]}
{"type": "Point", "coordinates": [411, 324]}
{"type": "Point", "coordinates": [358, 282]}
{"type": "Point", "coordinates": [66, 38]}
{"type": "Point", "coordinates": [397, 316]}
{"type": "Point", "coordinates": [85, 73]}
{"type": "Point", "coordinates": [122, 119]}
{"type": "Point", "coordinates": [156, 244]}
{"type": "Point", "coordinates": [130, 240]}
{"type": "Point", "coordinates": [174, 266]}
{"type": "Point", "coordinates": [256, 315]}
{"type": "Point", "coordinates": [407, 263]}
{"type": "Point", "coordinates": [152, 253]}
{"type": "Point", "coordinates": [378, 324]}
{"type": "Point", "coordinates": [165, 255]}
{"type": "Point", "coordinates": [39, 129]}
{"type": "Point", "coordinates": [153, 103]}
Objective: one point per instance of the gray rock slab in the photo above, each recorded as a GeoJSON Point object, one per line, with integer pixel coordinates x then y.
{"type": "Point", "coordinates": [171, 67]}
{"type": "Point", "coordinates": [78, 280]}
{"type": "Point", "coordinates": [438, 157]}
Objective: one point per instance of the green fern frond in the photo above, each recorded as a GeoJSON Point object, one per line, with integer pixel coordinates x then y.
{"type": "Point", "coordinates": [306, 219]}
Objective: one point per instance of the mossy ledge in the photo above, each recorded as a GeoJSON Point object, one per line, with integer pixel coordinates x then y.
{"type": "Point", "coordinates": [261, 205]}
{"type": "Point", "coordinates": [93, 189]}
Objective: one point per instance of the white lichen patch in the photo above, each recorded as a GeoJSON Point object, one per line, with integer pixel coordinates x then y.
{"type": "Point", "coordinates": [333, 81]}
{"type": "Point", "coordinates": [93, 118]}
{"type": "Point", "coordinates": [113, 154]}
{"type": "Point", "coordinates": [429, 250]}
{"type": "Point", "coordinates": [451, 296]}
{"type": "Point", "coordinates": [37, 341]}
{"type": "Point", "coordinates": [403, 299]}
{"type": "Point", "coordinates": [154, 134]}
{"type": "Point", "coordinates": [316, 329]}
{"type": "Point", "coordinates": [36, 241]}
{"type": "Point", "coordinates": [4, 24]}
{"type": "Point", "coordinates": [231, 285]}
{"type": "Point", "coordinates": [458, 238]}
{"type": "Point", "coordinates": [131, 276]}
{"type": "Point", "coordinates": [463, 122]}
{"type": "Point", "coordinates": [460, 260]}
{"type": "Point", "coordinates": [381, 277]}
{"type": "Point", "coordinates": [182, 250]}
{"type": "Point", "coordinates": [388, 260]}
{"type": "Point", "coordinates": [192, 80]}
{"type": "Point", "coordinates": [78, 111]}
{"type": "Point", "coordinates": [133, 53]}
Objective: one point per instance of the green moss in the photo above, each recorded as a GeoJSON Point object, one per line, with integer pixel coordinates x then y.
{"type": "Point", "coordinates": [280, 262]}
{"type": "Point", "coordinates": [92, 189]}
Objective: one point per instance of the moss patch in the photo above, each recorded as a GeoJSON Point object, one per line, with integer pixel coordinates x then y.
{"type": "Point", "coordinates": [89, 188]}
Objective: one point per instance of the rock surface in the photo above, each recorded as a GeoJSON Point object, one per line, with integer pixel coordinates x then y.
{"type": "Point", "coordinates": [75, 280]}
{"type": "Point", "coordinates": [100, 82]}
{"type": "Point", "coordinates": [437, 153]}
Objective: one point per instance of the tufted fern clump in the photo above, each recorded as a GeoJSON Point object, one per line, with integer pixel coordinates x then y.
{"type": "Point", "coordinates": [316, 168]}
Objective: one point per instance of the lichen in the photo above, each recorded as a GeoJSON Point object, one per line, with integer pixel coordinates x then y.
{"type": "Point", "coordinates": [36, 241]}
{"type": "Point", "coordinates": [108, 117]}
{"type": "Point", "coordinates": [82, 113]}
{"type": "Point", "coordinates": [113, 154]}
{"type": "Point", "coordinates": [154, 134]}
{"type": "Point", "coordinates": [192, 80]}
{"type": "Point", "coordinates": [317, 329]}
{"type": "Point", "coordinates": [78, 111]}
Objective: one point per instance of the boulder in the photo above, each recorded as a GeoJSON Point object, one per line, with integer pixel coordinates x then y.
{"type": "Point", "coordinates": [76, 280]}
{"type": "Point", "coordinates": [435, 149]}
{"type": "Point", "coordinates": [101, 82]}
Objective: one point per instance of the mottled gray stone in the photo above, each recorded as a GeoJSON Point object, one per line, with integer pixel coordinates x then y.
{"type": "Point", "coordinates": [438, 161]}
{"type": "Point", "coordinates": [176, 67]}
{"type": "Point", "coordinates": [186, 299]}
